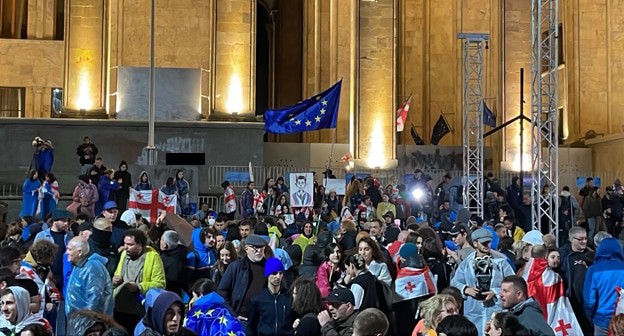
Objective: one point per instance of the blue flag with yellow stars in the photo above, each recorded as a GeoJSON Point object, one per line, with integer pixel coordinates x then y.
{"type": "Point", "coordinates": [209, 317]}
{"type": "Point", "coordinates": [489, 118]}
{"type": "Point", "coordinates": [440, 129]}
{"type": "Point", "coordinates": [315, 113]}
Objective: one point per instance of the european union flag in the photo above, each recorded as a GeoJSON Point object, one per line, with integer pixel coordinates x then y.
{"type": "Point", "coordinates": [317, 112]}
{"type": "Point", "coordinates": [489, 118]}
{"type": "Point", "coordinates": [417, 139]}
{"type": "Point", "coordinates": [440, 129]}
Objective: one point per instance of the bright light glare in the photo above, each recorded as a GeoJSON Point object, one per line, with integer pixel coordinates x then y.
{"type": "Point", "coordinates": [84, 101]}
{"type": "Point", "coordinates": [376, 156]}
{"type": "Point", "coordinates": [234, 103]}
{"type": "Point", "coordinates": [418, 193]}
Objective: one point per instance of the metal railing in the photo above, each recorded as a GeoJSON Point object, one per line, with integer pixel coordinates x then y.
{"type": "Point", "coordinates": [214, 202]}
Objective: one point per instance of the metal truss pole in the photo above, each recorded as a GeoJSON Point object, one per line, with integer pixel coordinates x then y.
{"type": "Point", "coordinates": [472, 102]}
{"type": "Point", "coordinates": [544, 115]}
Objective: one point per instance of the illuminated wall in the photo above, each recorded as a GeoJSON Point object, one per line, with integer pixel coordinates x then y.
{"type": "Point", "coordinates": [234, 57]}
{"type": "Point", "coordinates": [85, 55]}
{"type": "Point", "coordinates": [375, 140]}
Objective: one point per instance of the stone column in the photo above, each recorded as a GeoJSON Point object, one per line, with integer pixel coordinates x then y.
{"type": "Point", "coordinates": [233, 66]}
{"type": "Point", "coordinates": [374, 122]}
{"type": "Point", "coordinates": [85, 56]}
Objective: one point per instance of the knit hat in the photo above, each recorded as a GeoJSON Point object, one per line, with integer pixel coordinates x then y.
{"type": "Point", "coordinates": [273, 265]}
{"type": "Point", "coordinates": [407, 250]}
{"type": "Point", "coordinates": [61, 214]}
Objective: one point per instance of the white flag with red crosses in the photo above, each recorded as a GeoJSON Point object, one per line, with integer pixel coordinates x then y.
{"type": "Point", "coordinates": [150, 203]}
{"type": "Point", "coordinates": [413, 283]}
{"type": "Point", "coordinates": [547, 288]}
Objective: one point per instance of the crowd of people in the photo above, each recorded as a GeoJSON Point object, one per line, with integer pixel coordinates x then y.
{"type": "Point", "coordinates": [400, 259]}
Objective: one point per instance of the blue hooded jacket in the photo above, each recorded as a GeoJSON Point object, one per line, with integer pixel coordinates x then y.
{"type": "Point", "coordinates": [150, 298]}
{"type": "Point", "coordinates": [206, 256]}
{"type": "Point", "coordinates": [601, 280]}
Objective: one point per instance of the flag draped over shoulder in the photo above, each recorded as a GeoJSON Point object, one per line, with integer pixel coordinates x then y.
{"type": "Point", "coordinates": [547, 288]}
{"type": "Point", "coordinates": [489, 118]}
{"type": "Point", "coordinates": [413, 283]}
{"type": "Point", "coordinates": [440, 129]}
{"type": "Point", "coordinates": [317, 112]}
{"type": "Point", "coordinates": [402, 114]}
{"type": "Point", "coordinates": [149, 203]}
{"type": "Point", "coordinates": [417, 139]}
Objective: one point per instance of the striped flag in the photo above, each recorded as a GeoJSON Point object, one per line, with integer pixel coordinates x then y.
{"type": "Point", "coordinates": [413, 283]}
{"type": "Point", "coordinates": [402, 114]}
{"type": "Point", "coordinates": [547, 288]}
{"type": "Point", "coordinates": [149, 203]}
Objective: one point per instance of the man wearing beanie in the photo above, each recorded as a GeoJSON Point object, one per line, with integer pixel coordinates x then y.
{"type": "Point", "coordinates": [270, 310]}
{"type": "Point", "coordinates": [60, 235]}
{"type": "Point", "coordinates": [244, 278]}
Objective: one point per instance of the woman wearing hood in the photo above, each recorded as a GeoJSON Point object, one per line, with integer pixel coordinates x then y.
{"type": "Point", "coordinates": [31, 192]}
{"type": "Point", "coordinates": [170, 189]}
{"type": "Point", "coordinates": [84, 197]}
{"type": "Point", "coordinates": [125, 180]}
{"type": "Point", "coordinates": [16, 312]}
{"type": "Point", "coordinates": [144, 183]}
{"type": "Point", "coordinates": [183, 192]}
{"type": "Point", "coordinates": [165, 317]}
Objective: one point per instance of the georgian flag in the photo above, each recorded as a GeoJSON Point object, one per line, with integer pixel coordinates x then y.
{"type": "Point", "coordinates": [149, 203]}
{"type": "Point", "coordinates": [230, 200]}
{"type": "Point", "coordinates": [546, 287]}
{"type": "Point", "coordinates": [402, 114]}
{"type": "Point", "coordinates": [413, 283]}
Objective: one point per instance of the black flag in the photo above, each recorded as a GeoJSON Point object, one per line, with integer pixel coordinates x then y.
{"type": "Point", "coordinates": [440, 129]}
{"type": "Point", "coordinates": [417, 139]}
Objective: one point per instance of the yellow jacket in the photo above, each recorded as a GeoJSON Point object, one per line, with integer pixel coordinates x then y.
{"type": "Point", "coordinates": [383, 208]}
{"type": "Point", "coordinates": [518, 234]}
{"type": "Point", "coordinates": [153, 270]}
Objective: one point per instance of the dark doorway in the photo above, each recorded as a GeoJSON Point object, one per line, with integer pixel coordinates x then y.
{"type": "Point", "coordinates": [263, 59]}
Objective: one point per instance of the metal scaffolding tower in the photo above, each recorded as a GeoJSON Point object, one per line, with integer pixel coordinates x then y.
{"type": "Point", "coordinates": [472, 110]}
{"type": "Point", "coordinates": [544, 106]}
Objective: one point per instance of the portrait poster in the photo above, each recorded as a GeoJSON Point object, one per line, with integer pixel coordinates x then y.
{"type": "Point", "coordinates": [301, 190]}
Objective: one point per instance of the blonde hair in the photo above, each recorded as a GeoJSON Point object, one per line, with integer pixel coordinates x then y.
{"type": "Point", "coordinates": [616, 326]}
{"type": "Point", "coordinates": [430, 309]}
{"type": "Point", "coordinates": [518, 247]}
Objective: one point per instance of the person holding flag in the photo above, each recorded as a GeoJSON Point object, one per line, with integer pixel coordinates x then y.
{"type": "Point", "coordinates": [546, 287]}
